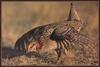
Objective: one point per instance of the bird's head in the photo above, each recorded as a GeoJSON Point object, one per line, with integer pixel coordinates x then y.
{"type": "Point", "coordinates": [33, 46]}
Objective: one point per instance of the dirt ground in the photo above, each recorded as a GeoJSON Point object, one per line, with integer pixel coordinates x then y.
{"type": "Point", "coordinates": [20, 17]}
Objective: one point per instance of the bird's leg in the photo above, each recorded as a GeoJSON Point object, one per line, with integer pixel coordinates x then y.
{"type": "Point", "coordinates": [59, 60]}
{"type": "Point", "coordinates": [61, 47]}
{"type": "Point", "coordinates": [58, 50]}
{"type": "Point", "coordinates": [64, 45]}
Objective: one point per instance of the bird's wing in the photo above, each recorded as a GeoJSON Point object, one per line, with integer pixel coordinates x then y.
{"type": "Point", "coordinates": [70, 34]}
{"type": "Point", "coordinates": [71, 38]}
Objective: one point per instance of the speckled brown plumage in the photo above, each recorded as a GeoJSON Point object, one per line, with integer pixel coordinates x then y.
{"type": "Point", "coordinates": [57, 36]}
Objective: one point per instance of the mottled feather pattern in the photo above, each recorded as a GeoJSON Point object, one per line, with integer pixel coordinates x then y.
{"type": "Point", "coordinates": [60, 37]}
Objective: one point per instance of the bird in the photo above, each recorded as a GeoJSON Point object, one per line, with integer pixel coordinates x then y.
{"type": "Point", "coordinates": [42, 37]}
{"type": "Point", "coordinates": [73, 15]}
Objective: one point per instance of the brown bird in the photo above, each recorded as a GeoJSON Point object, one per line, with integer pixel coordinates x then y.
{"type": "Point", "coordinates": [51, 36]}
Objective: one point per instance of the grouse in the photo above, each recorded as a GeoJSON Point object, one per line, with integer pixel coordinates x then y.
{"type": "Point", "coordinates": [50, 36]}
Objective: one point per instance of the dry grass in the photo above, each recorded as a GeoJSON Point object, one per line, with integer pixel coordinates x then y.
{"type": "Point", "coordinates": [20, 17]}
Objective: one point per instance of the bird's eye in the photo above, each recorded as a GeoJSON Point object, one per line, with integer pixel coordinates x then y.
{"type": "Point", "coordinates": [30, 46]}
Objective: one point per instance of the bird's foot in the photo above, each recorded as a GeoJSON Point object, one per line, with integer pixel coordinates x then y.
{"type": "Point", "coordinates": [59, 62]}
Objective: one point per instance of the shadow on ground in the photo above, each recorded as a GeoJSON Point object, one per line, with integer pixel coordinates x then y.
{"type": "Point", "coordinates": [12, 57]}
{"type": "Point", "coordinates": [8, 52]}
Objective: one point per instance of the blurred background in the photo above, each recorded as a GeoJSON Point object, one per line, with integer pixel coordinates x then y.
{"type": "Point", "coordinates": [20, 17]}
